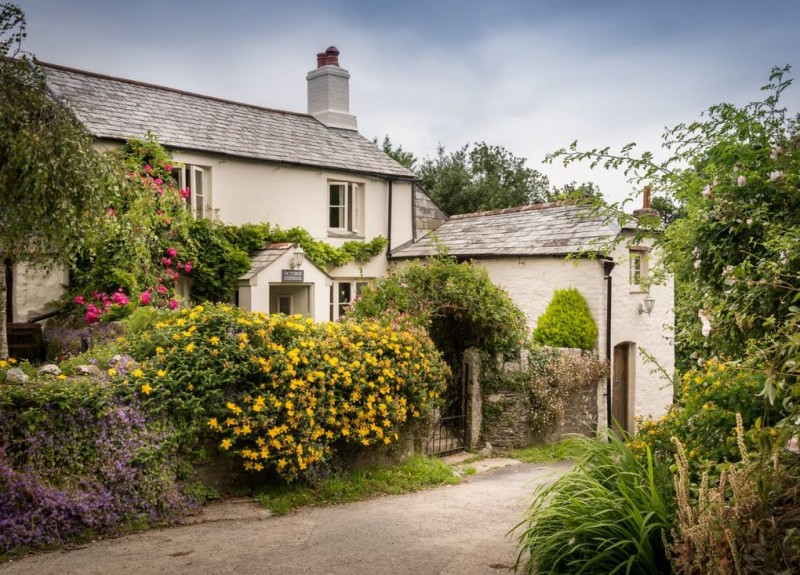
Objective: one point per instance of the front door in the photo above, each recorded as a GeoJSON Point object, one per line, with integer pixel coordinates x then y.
{"type": "Point", "coordinates": [620, 388]}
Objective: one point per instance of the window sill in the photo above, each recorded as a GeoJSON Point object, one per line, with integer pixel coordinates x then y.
{"type": "Point", "coordinates": [333, 233]}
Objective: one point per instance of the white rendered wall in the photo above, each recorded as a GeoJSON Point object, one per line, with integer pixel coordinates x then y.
{"type": "Point", "coordinates": [531, 283]}
{"type": "Point", "coordinates": [34, 290]}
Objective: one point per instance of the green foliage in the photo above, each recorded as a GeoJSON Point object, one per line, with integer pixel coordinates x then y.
{"type": "Point", "coordinates": [54, 186]}
{"type": "Point", "coordinates": [283, 393]}
{"type": "Point", "coordinates": [250, 237]}
{"type": "Point", "coordinates": [218, 264]}
{"type": "Point", "coordinates": [704, 415]}
{"type": "Point", "coordinates": [456, 302]}
{"type": "Point", "coordinates": [413, 474]}
{"type": "Point", "coordinates": [398, 154]}
{"type": "Point", "coordinates": [567, 322]}
{"type": "Point", "coordinates": [481, 177]}
{"type": "Point", "coordinates": [609, 514]}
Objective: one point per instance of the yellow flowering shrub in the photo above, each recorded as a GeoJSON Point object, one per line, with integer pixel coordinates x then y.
{"type": "Point", "coordinates": [704, 416]}
{"type": "Point", "coordinates": [280, 392]}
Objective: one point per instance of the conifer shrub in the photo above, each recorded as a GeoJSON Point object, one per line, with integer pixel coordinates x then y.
{"type": "Point", "coordinates": [567, 322]}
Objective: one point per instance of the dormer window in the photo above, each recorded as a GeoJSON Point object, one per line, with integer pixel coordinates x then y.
{"type": "Point", "coordinates": [345, 208]}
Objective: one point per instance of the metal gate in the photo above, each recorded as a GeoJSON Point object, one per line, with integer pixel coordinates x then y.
{"type": "Point", "coordinates": [449, 433]}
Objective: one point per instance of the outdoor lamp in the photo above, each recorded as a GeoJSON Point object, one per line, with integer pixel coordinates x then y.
{"type": "Point", "coordinates": [647, 305]}
{"type": "Point", "coordinates": [297, 258]}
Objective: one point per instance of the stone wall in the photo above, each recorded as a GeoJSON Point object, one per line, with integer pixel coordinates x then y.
{"type": "Point", "coordinates": [506, 414]}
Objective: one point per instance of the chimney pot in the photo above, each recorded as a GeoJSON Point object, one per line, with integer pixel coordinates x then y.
{"type": "Point", "coordinates": [321, 57]}
{"type": "Point", "coordinates": [332, 56]}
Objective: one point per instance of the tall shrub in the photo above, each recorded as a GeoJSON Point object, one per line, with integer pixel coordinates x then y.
{"type": "Point", "coordinates": [567, 322]}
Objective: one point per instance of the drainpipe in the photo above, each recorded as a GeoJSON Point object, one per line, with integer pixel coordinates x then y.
{"type": "Point", "coordinates": [389, 228]}
{"type": "Point", "coordinates": [608, 267]}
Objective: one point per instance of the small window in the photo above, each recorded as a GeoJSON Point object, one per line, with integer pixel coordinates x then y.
{"type": "Point", "coordinates": [638, 271]}
{"type": "Point", "coordinates": [345, 212]}
{"type": "Point", "coordinates": [345, 297]}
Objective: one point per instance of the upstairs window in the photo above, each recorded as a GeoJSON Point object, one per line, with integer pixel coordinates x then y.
{"type": "Point", "coordinates": [638, 271]}
{"type": "Point", "coordinates": [193, 182]}
{"type": "Point", "coordinates": [345, 207]}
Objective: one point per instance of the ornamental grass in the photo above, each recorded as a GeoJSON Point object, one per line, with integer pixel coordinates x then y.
{"type": "Point", "coordinates": [610, 514]}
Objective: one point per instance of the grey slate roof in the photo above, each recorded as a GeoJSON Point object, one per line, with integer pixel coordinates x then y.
{"type": "Point", "coordinates": [558, 229]}
{"type": "Point", "coordinates": [263, 258]}
{"type": "Point", "coordinates": [114, 108]}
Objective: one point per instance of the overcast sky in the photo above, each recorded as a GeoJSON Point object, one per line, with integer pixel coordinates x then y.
{"type": "Point", "coordinates": [531, 76]}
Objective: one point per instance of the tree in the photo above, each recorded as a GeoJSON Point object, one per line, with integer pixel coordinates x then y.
{"type": "Point", "coordinates": [481, 177]}
{"type": "Point", "coordinates": [398, 154]}
{"type": "Point", "coordinates": [54, 187]}
{"type": "Point", "coordinates": [576, 191]}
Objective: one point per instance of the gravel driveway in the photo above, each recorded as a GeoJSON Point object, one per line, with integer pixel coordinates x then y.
{"type": "Point", "coordinates": [457, 530]}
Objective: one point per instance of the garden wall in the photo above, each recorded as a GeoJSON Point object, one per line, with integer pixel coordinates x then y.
{"type": "Point", "coordinates": [513, 416]}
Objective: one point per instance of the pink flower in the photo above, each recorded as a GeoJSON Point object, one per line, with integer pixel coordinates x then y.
{"type": "Point", "coordinates": [775, 175]}
{"type": "Point", "coordinates": [168, 167]}
{"type": "Point", "coordinates": [120, 298]}
{"type": "Point", "coordinates": [112, 212]}
{"type": "Point", "coordinates": [97, 295]}
{"type": "Point", "coordinates": [80, 300]}
{"type": "Point", "coordinates": [172, 252]}
{"type": "Point", "coordinates": [740, 181]}
{"type": "Point", "coordinates": [148, 168]}
{"type": "Point", "coordinates": [173, 304]}
{"type": "Point", "coordinates": [187, 267]}
{"type": "Point", "coordinates": [185, 192]}
{"type": "Point", "coordinates": [159, 181]}
{"type": "Point", "coordinates": [707, 191]}
{"type": "Point", "coordinates": [144, 298]}
{"type": "Point", "coordinates": [166, 261]}
{"type": "Point", "coordinates": [162, 289]}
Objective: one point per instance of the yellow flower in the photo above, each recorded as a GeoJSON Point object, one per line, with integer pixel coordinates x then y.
{"type": "Point", "coordinates": [159, 350]}
{"type": "Point", "coordinates": [146, 389]}
{"type": "Point", "coordinates": [60, 376]}
{"type": "Point", "coordinates": [213, 423]}
{"type": "Point", "coordinates": [112, 372]}
{"type": "Point", "coordinates": [137, 373]}
{"type": "Point", "coordinates": [161, 373]}
{"type": "Point", "coordinates": [214, 340]}
{"type": "Point", "coordinates": [226, 444]}
{"type": "Point", "coordinates": [190, 348]}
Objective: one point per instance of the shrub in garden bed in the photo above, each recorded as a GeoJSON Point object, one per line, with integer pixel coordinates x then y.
{"type": "Point", "coordinates": [281, 392]}
{"type": "Point", "coordinates": [76, 460]}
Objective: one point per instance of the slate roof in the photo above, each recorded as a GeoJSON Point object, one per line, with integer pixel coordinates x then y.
{"type": "Point", "coordinates": [263, 258]}
{"type": "Point", "coordinates": [558, 229]}
{"type": "Point", "coordinates": [117, 109]}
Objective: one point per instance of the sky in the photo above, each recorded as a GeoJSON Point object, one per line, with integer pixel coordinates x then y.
{"type": "Point", "coordinates": [531, 76]}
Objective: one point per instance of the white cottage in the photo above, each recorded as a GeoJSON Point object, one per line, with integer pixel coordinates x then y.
{"type": "Point", "coordinates": [249, 164]}
{"type": "Point", "coordinates": [531, 251]}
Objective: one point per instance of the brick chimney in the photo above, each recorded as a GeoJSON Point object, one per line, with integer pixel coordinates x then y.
{"type": "Point", "coordinates": [646, 211]}
{"type": "Point", "coordinates": [329, 92]}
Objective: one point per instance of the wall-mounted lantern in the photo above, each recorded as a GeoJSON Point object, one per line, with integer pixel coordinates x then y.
{"type": "Point", "coordinates": [297, 258]}
{"type": "Point", "coordinates": [647, 305]}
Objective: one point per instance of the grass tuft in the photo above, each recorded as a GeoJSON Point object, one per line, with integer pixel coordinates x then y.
{"type": "Point", "coordinates": [569, 448]}
{"type": "Point", "coordinates": [414, 474]}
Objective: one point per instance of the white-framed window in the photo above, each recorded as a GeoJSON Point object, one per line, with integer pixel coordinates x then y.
{"type": "Point", "coordinates": [345, 207]}
{"type": "Point", "coordinates": [346, 292]}
{"type": "Point", "coordinates": [638, 268]}
{"type": "Point", "coordinates": [285, 304]}
{"type": "Point", "coordinates": [194, 179]}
